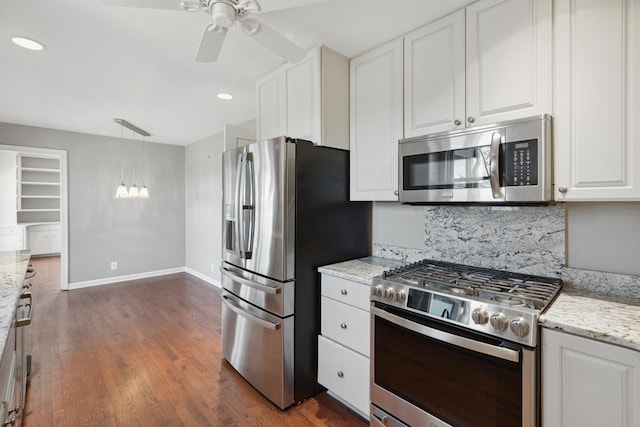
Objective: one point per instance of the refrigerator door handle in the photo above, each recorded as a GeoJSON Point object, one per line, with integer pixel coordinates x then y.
{"type": "Point", "coordinates": [227, 301]}
{"type": "Point", "coordinates": [267, 289]}
{"type": "Point", "coordinates": [238, 222]}
{"type": "Point", "coordinates": [250, 208]}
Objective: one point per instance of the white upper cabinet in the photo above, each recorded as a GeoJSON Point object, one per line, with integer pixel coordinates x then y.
{"type": "Point", "coordinates": [490, 62]}
{"type": "Point", "coordinates": [597, 87]}
{"type": "Point", "coordinates": [434, 77]}
{"type": "Point", "coordinates": [509, 60]}
{"type": "Point", "coordinates": [376, 122]}
{"type": "Point", "coordinates": [308, 100]}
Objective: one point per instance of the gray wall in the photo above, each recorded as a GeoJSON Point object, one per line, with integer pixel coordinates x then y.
{"type": "Point", "coordinates": [203, 207]}
{"type": "Point", "coordinates": [142, 235]}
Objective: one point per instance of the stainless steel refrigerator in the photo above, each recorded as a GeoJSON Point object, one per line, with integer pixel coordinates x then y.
{"type": "Point", "coordinates": [286, 212]}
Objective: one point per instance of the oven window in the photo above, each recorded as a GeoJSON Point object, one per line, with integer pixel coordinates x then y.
{"type": "Point", "coordinates": [461, 387]}
{"type": "Point", "coordinates": [462, 168]}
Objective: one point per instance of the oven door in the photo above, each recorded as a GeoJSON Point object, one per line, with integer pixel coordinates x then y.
{"type": "Point", "coordinates": [424, 372]}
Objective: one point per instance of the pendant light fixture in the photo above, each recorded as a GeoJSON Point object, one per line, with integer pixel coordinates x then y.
{"type": "Point", "coordinates": [133, 192]}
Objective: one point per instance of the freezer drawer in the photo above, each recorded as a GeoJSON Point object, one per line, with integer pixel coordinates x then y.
{"type": "Point", "coordinates": [270, 295]}
{"type": "Point", "coordinates": [260, 347]}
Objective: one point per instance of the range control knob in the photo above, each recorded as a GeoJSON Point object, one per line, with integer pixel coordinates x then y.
{"type": "Point", "coordinates": [520, 327]}
{"type": "Point", "coordinates": [388, 293]}
{"type": "Point", "coordinates": [499, 321]}
{"type": "Point", "coordinates": [400, 296]}
{"type": "Point", "coordinates": [480, 316]}
{"type": "Point", "coordinates": [377, 290]}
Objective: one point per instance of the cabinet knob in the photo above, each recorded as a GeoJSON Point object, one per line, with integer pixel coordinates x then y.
{"type": "Point", "coordinates": [457, 122]}
{"type": "Point", "coordinates": [395, 193]}
{"type": "Point", "coordinates": [471, 119]}
{"type": "Point", "coordinates": [343, 325]}
{"type": "Point", "coordinates": [343, 291]}
{"type": "Point", "coordinates": [563, 189]}
{"type": "Point", "coordinates": [340, 374]}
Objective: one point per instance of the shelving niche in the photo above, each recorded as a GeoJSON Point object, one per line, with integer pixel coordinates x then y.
{"type": "Point", "coordinates": [38, 189]}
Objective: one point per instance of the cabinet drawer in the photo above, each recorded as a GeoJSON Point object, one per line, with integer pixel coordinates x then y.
{"type": "Point", "coordinates": [344, 372]}
{"type": "Point", "coordinates": [346, 325]}
{"type": "Point", "coordinates": [346, 291]}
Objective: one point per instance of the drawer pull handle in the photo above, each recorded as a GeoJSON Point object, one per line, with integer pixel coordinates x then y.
{"type": "Point", "coordinates": [340, 374]}
{"type": "Point", "coordinates": [343, 292]}
{"type": "Point", "coordinates": [343, 325]}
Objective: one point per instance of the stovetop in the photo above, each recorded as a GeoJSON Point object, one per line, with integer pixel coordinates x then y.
{"type": "Point", "coordinates": [494, 302]}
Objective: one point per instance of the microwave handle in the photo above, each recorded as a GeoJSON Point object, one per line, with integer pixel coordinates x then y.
{"type": "Point", "coordinates": [494, 165]}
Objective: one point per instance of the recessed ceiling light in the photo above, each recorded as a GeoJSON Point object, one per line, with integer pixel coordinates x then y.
{"type": "Point", "coordinates": [225, 96]}
{"type": "Point", "coordinates": [27, 43]}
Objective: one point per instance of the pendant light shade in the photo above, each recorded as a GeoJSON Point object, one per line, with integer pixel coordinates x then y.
{"type": "Point", "coordinates": [144, 192]}
{"type": "Point", "coordinates": [121, 192]}
{"type": "Point", "coordinates": [133, 192]}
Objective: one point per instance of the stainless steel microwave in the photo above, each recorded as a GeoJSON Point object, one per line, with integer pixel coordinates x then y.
{"type": "Point", "coordinates": [502, 163]}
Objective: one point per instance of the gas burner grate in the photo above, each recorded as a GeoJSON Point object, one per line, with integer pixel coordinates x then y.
{"type": "Point", "coordinates": [503, 287]}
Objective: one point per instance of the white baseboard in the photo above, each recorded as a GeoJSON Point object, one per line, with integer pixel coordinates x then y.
{"type": "Point", "coordinates": [204, 277]}
{"type": "Point", "coordinates": [116, 279]}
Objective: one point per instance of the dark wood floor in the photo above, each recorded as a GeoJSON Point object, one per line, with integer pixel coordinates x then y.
{"type": "Point", "coordinates": [144, 353]}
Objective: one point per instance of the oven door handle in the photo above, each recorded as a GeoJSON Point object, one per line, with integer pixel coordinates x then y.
{"type": "Point", "coordinates": [469, 344]}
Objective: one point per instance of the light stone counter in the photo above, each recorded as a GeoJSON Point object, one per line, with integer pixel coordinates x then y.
{"type": "Point", "coordinates": [614, 320]}
{"type": "Point", "coordinates": [13, 266]}
{"type": "Point", "coordinates": [361, 270]}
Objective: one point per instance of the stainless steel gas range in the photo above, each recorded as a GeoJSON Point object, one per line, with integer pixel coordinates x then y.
{"type": "Point", "coordinates": [456, 345]}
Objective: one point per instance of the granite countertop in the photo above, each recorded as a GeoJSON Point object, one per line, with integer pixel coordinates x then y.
{"type": "Point", "coordinates": [360, 270]}
{"type": "Point", "coordinates": [13, 266]}
{"type": "Point", "coordinates": [614, 320]}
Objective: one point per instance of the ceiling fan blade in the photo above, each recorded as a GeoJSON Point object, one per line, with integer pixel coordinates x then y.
{"type": "Point", "coordinates": [211, 43]}
{"type": "Point", "coordinates": [273, 5]}
{"type": "Point", "coordinates": [147, 4]}
{"type": "Point", "coordinates": [272, 40]}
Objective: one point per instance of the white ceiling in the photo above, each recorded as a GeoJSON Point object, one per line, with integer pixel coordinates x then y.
{"type": "Point", "coordinates": [103, 62]}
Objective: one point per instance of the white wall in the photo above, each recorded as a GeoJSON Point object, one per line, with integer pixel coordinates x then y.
{"type": "Point", "coordinates": [142, 235]}
{"type": "Point", "coordinates": [204, 207]}
{"type": "Point", "coordinates": [8, 188]}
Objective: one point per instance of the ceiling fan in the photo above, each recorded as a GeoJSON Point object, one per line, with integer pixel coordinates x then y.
{"type": "Point", "coordinates": [225, 13]}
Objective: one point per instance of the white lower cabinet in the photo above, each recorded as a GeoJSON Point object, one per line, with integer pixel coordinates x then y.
{"type": "Point", "coordinates": [588, 383]}
{"type": "Point", "coordinates": [343, 347]}
{"type": "Point", "coordinates": [45, 239]}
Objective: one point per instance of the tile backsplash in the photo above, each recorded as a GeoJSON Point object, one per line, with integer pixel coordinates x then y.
{"type": "Point", "coordinates": [526, 239]}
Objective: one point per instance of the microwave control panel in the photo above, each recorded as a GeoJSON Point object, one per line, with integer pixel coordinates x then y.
{"type": "Point", "coordinates": [520, 163]}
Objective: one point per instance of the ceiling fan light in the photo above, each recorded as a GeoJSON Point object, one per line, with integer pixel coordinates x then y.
{"type": "Point", "coordinates": [223, 14]}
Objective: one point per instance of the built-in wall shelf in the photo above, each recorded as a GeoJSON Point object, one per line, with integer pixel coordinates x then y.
{"type": "Point", "coordinates": [38, 189]}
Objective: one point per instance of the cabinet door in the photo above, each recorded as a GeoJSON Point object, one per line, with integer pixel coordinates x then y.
{"type": "Point", "coordinates": [345, 373]}
{"type": "Point", "coordinates": [345, 325]}
{"type": "Point", "coordinates": [376, 122]}
{"type": "Point", "coordinates": [588, 383]}
{"type": "Point", "coordinates": [597, 58]}
{"type": "Point", "coordinates": [302, 102]}
{"type": "Point", "coordinates": [508, 54]}
{"type": "Point", "coordinates": [270, 120]}
{"type": "Point", "coordinates": [434, 77]}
